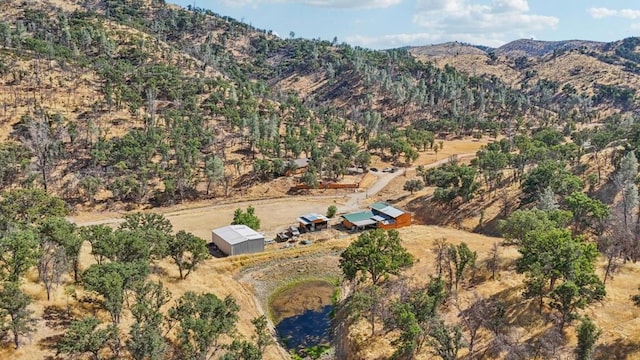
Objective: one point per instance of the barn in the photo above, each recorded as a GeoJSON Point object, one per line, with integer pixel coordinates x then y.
{"type": "Point", "coordinates": [237, 239]}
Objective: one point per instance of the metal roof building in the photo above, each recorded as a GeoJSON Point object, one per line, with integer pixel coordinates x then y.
{"type": "Point", "coordinates": [313, 222]}
{"type": "Point", "coordinates": [237, 239]}
{"type": "Point", "coordinates": [381, 215]}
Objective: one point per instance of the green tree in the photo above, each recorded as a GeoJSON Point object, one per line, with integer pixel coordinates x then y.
{"type": "Point", "coordinates": [14, 161]}
{"type": "Point", "coordinates": [29, 206]}
{"type": "Point", "coordinates": [242, 350]}
{"type": "Point", "coordinates": [84, 336]}
{"type": "Point", "coordinates": [202, 319]}
{"type": "Point", "coordinates": [413, 185]}
{"type": "Point", "coordinates": [374, 256]}
{"type": "Point", "coordinates": [462, 258]}
{"type": "Point", "coordinates": [362, 159]}
{"type": "Point", "coordinates": [213, 170]}
{"type": "Point", "coordinates": [349, 149]}
{"type": "Point", "coordinates": [112, 281]}
{"type": "Point", "coordinates": [574, 294]}
{"type": "Point", "coordinates": [588, 334]}
{"type": "Point", "coordinates": [331, 211]}
{"type": "Point", "coordinates": [310, 178]}
{"type": "Point", "coordinates": [446, 340]}
{"type": "Point", "coordinates": [90, 185]}
{"type": "Point", "coordinates": [371, 259]}
{"type": "Point", "coordinates": [414, 315]}
{"type": "Point", "coordinates": [187, 251]}
{"type": "Point", "coordinates": [515, 228]}
{"type": "Point", "coordinates": [248, 218]}
{"type": "Point", "coordinates": [549, 256]}
{"type": "Point", "coordinates": [131, 246]}
{"type": "Point", "coordinates": [452, 181]}
{"type": "Point", "coordinates": [491, 161]}
{"type": "Point", "coordinates": [147, 221]}
{"type": "Point", "coordinates": [19, 251]}
{"type": "Point", "coordinates": [263, 337]}
{"type": "Point", "coordinates": [146, 334]}
{"type": "Point", "coordinates": [553, 174]}
{"type": "Point", "coordinates": [102, 239]}
{"type": "Point", "coordinates": [13, 311]}
{"type": "Point", "coordinates": [587, 212]}
{"type": "Point", "coordinates": [64, 233]}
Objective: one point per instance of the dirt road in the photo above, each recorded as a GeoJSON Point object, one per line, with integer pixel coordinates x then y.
{"type": "Point", "coordinates": [275, 214]}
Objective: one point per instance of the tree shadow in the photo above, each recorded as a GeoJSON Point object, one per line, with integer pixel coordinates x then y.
{"type": "Point", "coordinates": [57, 316]}
{"type": "Point", "coordinates": [50, 343]}
{"type": "Point", "coordinates": [617, 349]}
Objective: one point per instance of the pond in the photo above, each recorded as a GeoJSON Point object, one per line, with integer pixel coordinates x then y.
{"type": "Point", "coordinates": [302, 314]}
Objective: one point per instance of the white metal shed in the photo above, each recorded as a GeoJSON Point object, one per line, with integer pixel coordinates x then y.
{"type": "Point", "coordinates": [237, 239]}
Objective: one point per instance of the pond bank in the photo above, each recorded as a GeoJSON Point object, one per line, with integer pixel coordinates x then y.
{"type": "Point", "coordinates": [301, 312]}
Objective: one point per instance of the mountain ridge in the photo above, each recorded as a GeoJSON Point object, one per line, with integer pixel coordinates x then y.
{"type": "Point", "coordinates": [519, 47]}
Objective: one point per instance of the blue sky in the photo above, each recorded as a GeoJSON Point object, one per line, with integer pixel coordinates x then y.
{"type": "Point", "coordinates": [380, 24]}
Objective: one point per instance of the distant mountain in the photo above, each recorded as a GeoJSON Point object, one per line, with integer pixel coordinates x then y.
{"type": "Point", "coordinates": [537, 48]}
{"type": "Point", "coordinates": [521, 47]}
{"type": "Point", "coordinates": [452, 48]}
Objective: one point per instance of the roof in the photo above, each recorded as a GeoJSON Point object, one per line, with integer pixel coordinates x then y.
{"type": "Point", "coordinates": [236, 234]}
{"type": "Point", "coordinates": [360, 218]}
{"type": "Point", "coordinates": [312, 217]}
{"type": "Point", "coordinates": [387, 209]}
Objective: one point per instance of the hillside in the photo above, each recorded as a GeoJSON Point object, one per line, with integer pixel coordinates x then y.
{"type": "Point", "coordinates": [602, 74]}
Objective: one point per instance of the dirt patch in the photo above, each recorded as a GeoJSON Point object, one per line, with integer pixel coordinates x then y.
{"type": "Point", "coordinates": [310, 295]}
{"type": "Point", "coordinates": [267, 277]}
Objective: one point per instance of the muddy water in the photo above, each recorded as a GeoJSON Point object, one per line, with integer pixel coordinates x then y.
{"type": "Point", "coordinates": [302, 314]}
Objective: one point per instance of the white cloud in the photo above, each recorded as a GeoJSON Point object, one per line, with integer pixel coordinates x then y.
{"type": "Point", "coordinates": [360, 4]}
{"type": "Point", "coordinates": [469, 21]}
{"type": "Point", "coordinates": [599, 13]}
{"type": "Point", "coordinates": [508, 17]}
{"type": "Point", "coordinates": [340, 4]}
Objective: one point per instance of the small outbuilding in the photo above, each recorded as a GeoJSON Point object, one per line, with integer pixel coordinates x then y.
{"type": "Point", "coordinates": [237, 239]}
{"type": "Point", "coordinates": [313, 222]}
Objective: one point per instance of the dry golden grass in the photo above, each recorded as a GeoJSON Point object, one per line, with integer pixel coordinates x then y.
{"type": "Point", "coordinates": [616, 315]}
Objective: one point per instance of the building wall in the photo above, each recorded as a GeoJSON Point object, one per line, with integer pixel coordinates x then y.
{"type": "Point", "coordinates": [401, 221]}
{"type": "Point", "coordinates": [245, 247]}
{"type": "Point", "coordinates": [346, 223]}
{"type": "Point", "coordinates": [248, 247]}
{"type": "Point", "coordinates": [224, 246]}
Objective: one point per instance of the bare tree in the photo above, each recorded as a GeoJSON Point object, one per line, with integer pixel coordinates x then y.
{"type": "Point", "coordinates": [493, 262]}
{"type": "Point", "coordinates": [52, 265]}
{"type": "Point", "coordinates": [44, 139]}
{"type": "Point", "coordinates": [474, 317]}
{"type": "Point", "coordinates": [441, 251]}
